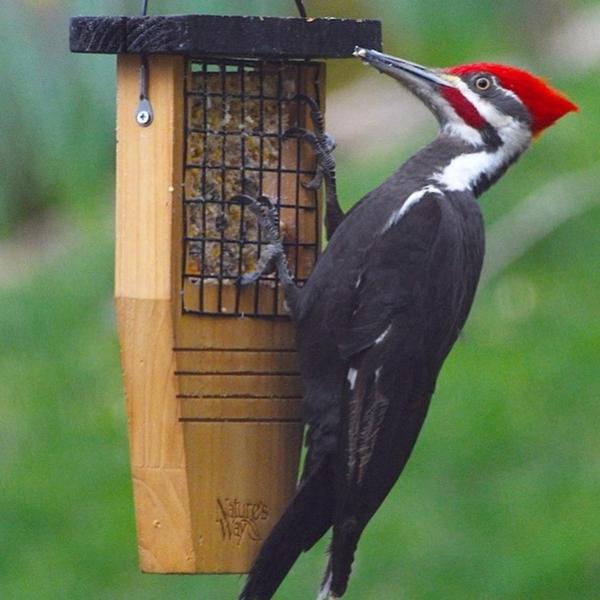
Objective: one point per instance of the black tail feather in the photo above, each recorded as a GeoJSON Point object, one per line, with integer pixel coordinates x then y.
{"type": "Point", "coordinates": [392, 451]}
{"type": "Point", "coordinates": [304, 522]}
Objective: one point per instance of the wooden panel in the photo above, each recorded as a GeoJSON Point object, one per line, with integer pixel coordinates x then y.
{"type": "Point", "coordinates": [199, 458]}
{"type": "Point", "coordinates": [241, 399]}
{"type": "Point", "coordinates": [148, 178]}
{"type": "Point", "coordinates": [242, 409]}
{"type": "Point", "coordinates": [241, 477]}
{"type": "Point", "coordinates": [228, 332]}
{"type": "Point", "coordinates": [163, 520]}
{"type": "Point", "coordinates": [226, 384]}
{"type": "Point", "coordinates": [237, 361]}
{"type": "Point", "coordinates": [145, 334]}
{"type": "Point", "coordinates": [148, 173]}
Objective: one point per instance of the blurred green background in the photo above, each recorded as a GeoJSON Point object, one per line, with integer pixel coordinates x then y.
{"type": "Point", "coordinates": [502, 496]}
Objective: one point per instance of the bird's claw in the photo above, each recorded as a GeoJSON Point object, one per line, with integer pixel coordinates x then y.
{"type": "Point", "coordinates": [315, 183]}
{"type": "Point", "coordinates": [265, 212]}
{"type": "Point", "coordinates": [315, 112]}
{"type": "Point", "coordinates": [272, 253]}
{"type": "Point", "coordinates": [300, 133]}
{"type": "Point", "coordinates": [322, 143]}
{"type": "Point", "coordinates": [249, 278]}
{"type": "Point", "coordinates": [323, 146]}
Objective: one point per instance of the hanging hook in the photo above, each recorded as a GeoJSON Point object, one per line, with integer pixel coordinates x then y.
{"type": "Point", "coordinates": [301, 9]}
{"type": "Point", "coordinates": [143, 113]}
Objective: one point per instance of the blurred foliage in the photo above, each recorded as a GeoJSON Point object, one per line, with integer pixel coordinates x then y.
{"type": "Point", "coordinates": [501, 497]}
{"type": "Point", "coordinates": [55, 106]}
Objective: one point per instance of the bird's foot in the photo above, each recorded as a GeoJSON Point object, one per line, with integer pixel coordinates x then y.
{"type": "Point", "coordinates": [323, 146]}
{"type": "Point", "coordinates": [273, 254]}
{"type": "Point", "coordinates": [322, 143]}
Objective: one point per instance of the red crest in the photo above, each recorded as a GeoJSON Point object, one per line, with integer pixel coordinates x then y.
{"type": "Point", "coordinates": [545, 103]}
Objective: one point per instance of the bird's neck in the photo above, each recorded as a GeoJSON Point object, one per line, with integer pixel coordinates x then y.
{"type": "Point", "coordinates": [457, 165]}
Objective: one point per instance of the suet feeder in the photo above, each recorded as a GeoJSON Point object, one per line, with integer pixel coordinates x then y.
{"type": "Point", "coordinates": [212, 386]}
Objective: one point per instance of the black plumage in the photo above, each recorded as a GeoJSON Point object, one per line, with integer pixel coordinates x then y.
{"type": "Point", "coordinates": [415, 281]}
{"type": "Point", "coordinates": [386, 303]}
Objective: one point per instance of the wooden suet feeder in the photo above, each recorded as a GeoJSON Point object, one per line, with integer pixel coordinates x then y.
{"type": "Point", "coordinates": [213, 392]}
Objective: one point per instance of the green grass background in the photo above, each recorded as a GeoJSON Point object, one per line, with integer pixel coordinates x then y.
{"type": "Point", "coordinates": [502, 496]}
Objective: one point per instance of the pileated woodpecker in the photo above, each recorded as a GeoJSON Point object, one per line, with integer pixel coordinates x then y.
{"type": "Point", "coordinates": [387, 300]}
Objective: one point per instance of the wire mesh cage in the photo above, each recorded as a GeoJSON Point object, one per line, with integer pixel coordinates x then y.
{"type": "Point", "coordinates": [237, 114]}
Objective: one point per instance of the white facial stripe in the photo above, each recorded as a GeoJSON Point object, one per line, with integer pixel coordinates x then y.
{"type": "Point", "coordinates": [463, 171]}
{"type": "Point", "coordinates": [412, 199]}
{"type": "Point", "coordinates": [486, 109]}
{"type": "Point", "coordinates": [458, 128]}
{"type": "Point", "coordinates": [455, 126]}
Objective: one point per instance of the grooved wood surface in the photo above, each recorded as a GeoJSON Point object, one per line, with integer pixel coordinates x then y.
{"type": "Point", "coordinates": [240, 409]}
{"type": "Point", "coordinates": [271, 385]}
{"type": "Point", "coordinates": [237, 361]}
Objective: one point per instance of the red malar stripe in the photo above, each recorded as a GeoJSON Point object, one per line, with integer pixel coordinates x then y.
{"type": "Point", "coordinates": [464, 109]}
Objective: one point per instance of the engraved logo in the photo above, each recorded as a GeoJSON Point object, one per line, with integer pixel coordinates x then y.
{"type": "Point", "coordinates": [241, 519]}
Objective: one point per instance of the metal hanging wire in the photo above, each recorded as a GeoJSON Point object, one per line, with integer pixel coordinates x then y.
{"type": "Point", "coordinates": [301, 9]}
{"type": "Point", "coordinates": [143, 113]}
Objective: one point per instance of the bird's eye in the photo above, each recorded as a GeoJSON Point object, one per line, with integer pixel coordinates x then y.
{"type": "Point", "coordinates": [483, 83]}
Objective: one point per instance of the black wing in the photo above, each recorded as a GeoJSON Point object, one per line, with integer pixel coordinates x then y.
{"type": "Point", "coordinates": [409, 307]}
{"type": "Point", "coordinates": [384, 337]}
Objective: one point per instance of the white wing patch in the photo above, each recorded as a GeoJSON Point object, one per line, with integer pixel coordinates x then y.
{"type": "Point", "coordinates": [383, 335]}
{"type": "Point", "coordinates": [352, 377]}
{"type": "Point", "coordinates": [325, 588]}
{"type": "Point", "coordinates": [410, 201]}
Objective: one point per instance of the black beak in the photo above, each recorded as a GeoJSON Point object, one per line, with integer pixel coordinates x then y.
{"type": "Point", "coordinates": [404, 71]}
{"type": "Point", "coordinates": [426, 84]}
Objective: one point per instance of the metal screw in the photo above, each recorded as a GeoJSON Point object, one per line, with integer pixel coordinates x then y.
{"type": "Point", "coordinates": [144, 113]}
{"type": "Point", "coordinates": [143, 117]}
